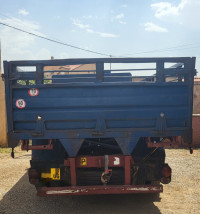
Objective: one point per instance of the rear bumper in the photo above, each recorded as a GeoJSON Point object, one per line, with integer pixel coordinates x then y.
{"type": "Point", "coordinates": [97, 190]}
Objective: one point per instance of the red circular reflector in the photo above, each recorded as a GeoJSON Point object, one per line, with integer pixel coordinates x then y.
{"type": "Point", "coordinates": [166, 171]}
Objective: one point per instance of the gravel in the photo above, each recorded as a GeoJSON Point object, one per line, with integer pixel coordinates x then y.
{"type": "Point", "coordinates": [182, 195]}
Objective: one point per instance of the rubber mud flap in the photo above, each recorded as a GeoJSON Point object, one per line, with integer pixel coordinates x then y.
{"type": "Point", "coordinates": [12, 141]}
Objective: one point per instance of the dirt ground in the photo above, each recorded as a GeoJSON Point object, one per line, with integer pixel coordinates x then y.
{"type": "Point", "coordinates": [182, 195]}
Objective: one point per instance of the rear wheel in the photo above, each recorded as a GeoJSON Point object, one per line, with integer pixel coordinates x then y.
{"type": "Point", "coordinates": [148, 162]}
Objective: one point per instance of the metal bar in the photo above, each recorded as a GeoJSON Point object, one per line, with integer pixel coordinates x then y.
{"type": "Point", "coordinates": [97, 161]}
{"type": "Point", "coordinates": [160, 77]}
{"type": "Point", "coordinates": [134, 69]}
{"type": "Point", "coordinates": [161, 144]}
{"type": "Point", "coordinates": [127, 170]}
{"type": "Point", "coordinates": [87, 84]}
{"type": "Point", "coordinates": [106, 162]}
{"type": "Point", "coordinates": [39, 74]}
{"type": "Point", "coordinates": [25, 146]}
{"type": "Point", "coordinates": [174, 142]}
{"type": "Point", "coordinates": [8, 95]}
{"type": "Point", "coordinates": [95, 60]}
{"type": "Point", "coordinates": [69, 71]}
{"type": "Point", "coordinates": [73, 171]}
{"type": "Point", "coordinates": [72, 134]}
{"type": "Point", "coordinates": [96, 190]}
{"type": "Point", "coordinates": [99, 71]}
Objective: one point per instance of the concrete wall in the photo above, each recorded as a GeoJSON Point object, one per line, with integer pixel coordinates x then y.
{"type": "Point", "coordinates": [196, 98]}
{"type": "Point", "coordinates": [3, 124]}
{"type": "Point", "coordinates": [196, 113]}
{"type": "Point", "coordinates": [196, 130]}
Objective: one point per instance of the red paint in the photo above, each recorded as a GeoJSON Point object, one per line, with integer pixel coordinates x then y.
{"type": "Point", "coordinates": [20, 103]}
{"type": "Point", "coordinates": [96, 190]}
{"type": "Point", "coordinates": [25, 146]}
{"type": "Point", "coordinates": [33, 92]}
{"type": "Point", "coordinates": [128, 170]}
{"type": "Point", "coordinates": [99, 161]}
{"type": "Point", "coordinates": [73, 171]}
{"type": "Point", "coordinates": [165, 180]}
{"type": "Point", "coordinates": [166, 171]}
{"type": "Point", "coordinates": [167, 143]}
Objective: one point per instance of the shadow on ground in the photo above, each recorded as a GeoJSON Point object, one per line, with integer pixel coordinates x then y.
{"type": "Point", "coordinates": [22, 199]}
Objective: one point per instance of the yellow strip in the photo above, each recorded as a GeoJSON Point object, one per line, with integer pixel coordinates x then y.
{"type": "Point", "coordinates": [53, 175]}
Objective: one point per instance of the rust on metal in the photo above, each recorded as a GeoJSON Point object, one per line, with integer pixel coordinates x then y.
{"type": "Point", "coordinates": [73, 171]}
{"type": "Point", "coordinates": [166, 143]}
{"type": "Point", "coordinates": [98, 161]}
{"type": "Point", "coordinates": [25, 146]}
{"type": "Point", "coordinates": [96, 190]}
{"type": "Point", "coordinates": [128, 170]}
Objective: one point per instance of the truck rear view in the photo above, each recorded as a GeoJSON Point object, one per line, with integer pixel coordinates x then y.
{"type": "Point", "coordinates": [101, 130]}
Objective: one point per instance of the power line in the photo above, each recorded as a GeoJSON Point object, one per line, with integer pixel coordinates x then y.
{"type": "Point", "coordinates": [179, 47]}
{"type": "Point", "coordinates": [53, 40]}
{"type": "Point", "coordinates": [19, 21]}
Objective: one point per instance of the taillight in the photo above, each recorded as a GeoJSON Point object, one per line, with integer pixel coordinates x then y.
{"type": "Point", "coordinates": [166, 173]}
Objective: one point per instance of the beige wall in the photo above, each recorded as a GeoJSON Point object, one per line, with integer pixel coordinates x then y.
{"type": "Point", "coordinates": [196, 98]}
{"type": "Point", "coordinates": [3, 124]}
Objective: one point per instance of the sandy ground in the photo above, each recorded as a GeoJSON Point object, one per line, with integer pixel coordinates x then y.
{"type": "Point", "coordinates": [182, 195]}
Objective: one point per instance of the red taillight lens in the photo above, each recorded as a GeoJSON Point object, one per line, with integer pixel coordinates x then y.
{"type": "Point", "coordinates": [166, 171]}
{"type": "Point", "coordinates": [165, 180]}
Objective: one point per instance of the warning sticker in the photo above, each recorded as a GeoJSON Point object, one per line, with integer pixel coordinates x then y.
{"type": "Point", "coordinates": [20, 103]}
{"type": "Point", "coordinates": [116, 161]}
{"type": "Point", "coordinates": [33, 92]}
{"type": "Point", "coordinates": [55, 173]}
{"type": "Point", "coordinates": [83, 161]}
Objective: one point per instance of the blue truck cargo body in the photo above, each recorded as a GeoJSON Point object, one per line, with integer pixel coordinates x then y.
{"type": "Point", "coordinates": [104, 104]}
{"type": "Point", "coordinates": [100, 131]}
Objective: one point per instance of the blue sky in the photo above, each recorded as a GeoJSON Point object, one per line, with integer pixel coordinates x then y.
{"type": "Point", "coordinates": [137, 28]}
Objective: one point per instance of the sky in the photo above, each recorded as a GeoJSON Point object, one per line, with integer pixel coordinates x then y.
{"type": "Point", "coordinates": [121, 28]}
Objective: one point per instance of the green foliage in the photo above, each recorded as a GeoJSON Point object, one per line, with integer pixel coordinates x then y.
{"type": "Point", "coordinates": [5, 150]}
{"type": "Point", "coordinates": [31, 82]}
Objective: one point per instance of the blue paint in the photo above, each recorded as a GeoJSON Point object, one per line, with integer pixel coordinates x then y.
{"type": "Point", "coordinates": [81, 106]}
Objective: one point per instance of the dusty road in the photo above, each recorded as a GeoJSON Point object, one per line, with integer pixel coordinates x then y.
{"type": "Point", "coordinates": [182, 195]}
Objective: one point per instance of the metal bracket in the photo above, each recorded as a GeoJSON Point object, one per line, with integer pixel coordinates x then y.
{"type": "Point", "coordinates": [25, 146]}
{"type": "Point", "coordinates": [161, 124]}
{"type": "Point", "coordinates": [166, 143]}
{"type": "Point", "coordinates": [40, 127]}
{"type": "Point", "coordinates": [3, 77]}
